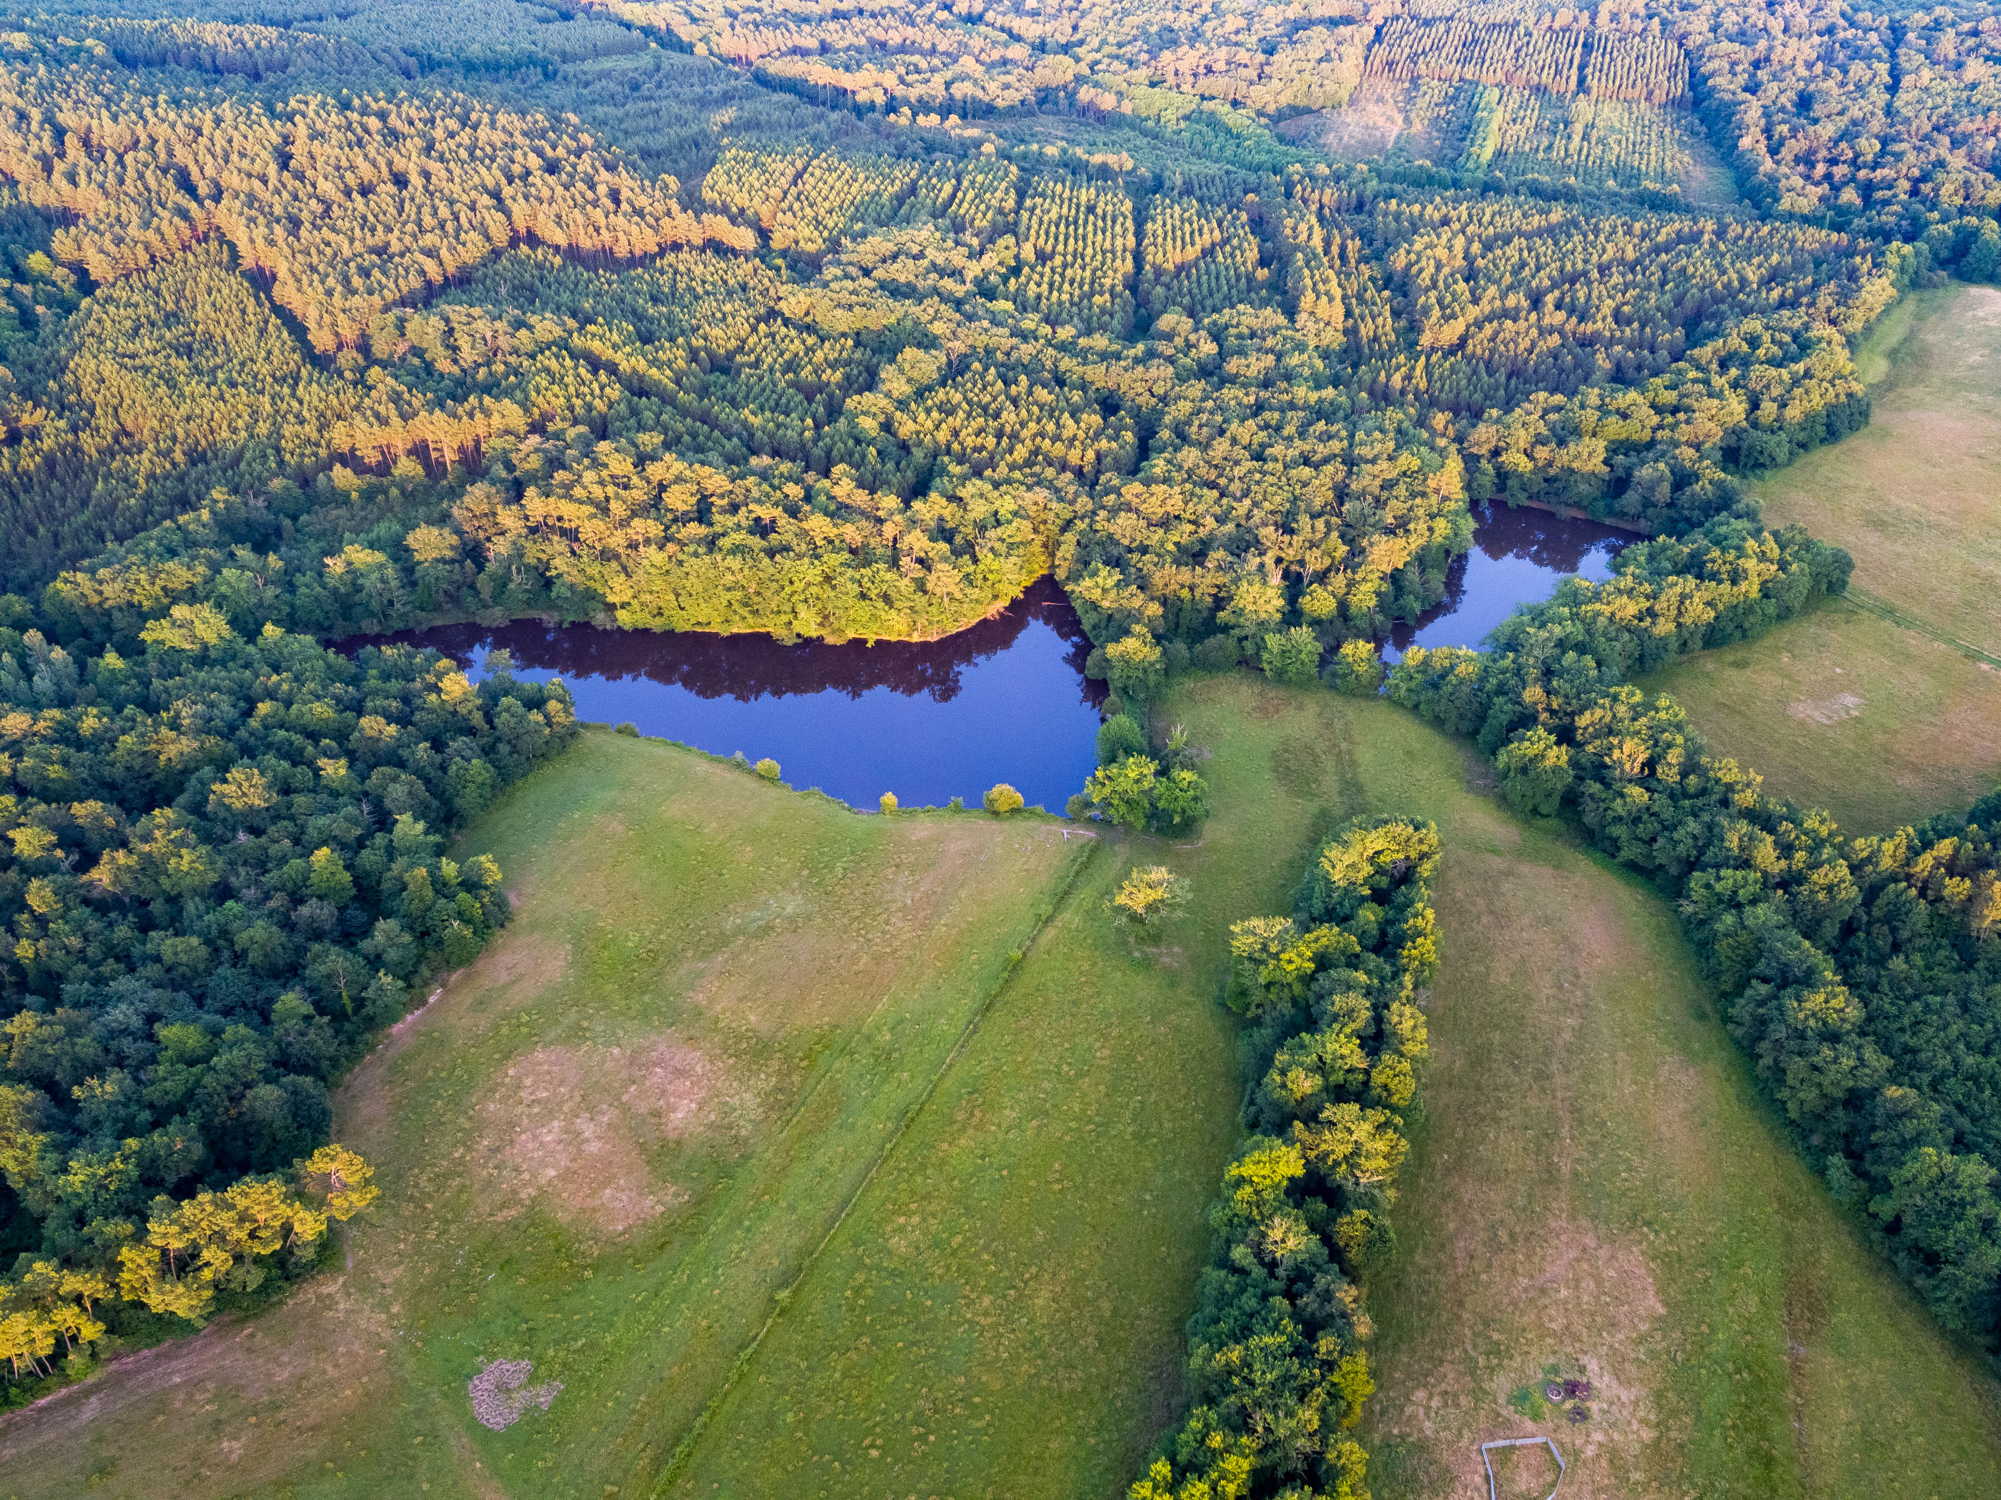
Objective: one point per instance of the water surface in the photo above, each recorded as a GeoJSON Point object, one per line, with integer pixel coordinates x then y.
{"type": "Point", "coordinates": [1518, 557]}
{"type": "Point", "coordinates": [1006, 700]}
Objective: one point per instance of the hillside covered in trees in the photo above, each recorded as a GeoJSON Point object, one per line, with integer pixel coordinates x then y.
{"type": "Point", "coordinates": [850, 322]}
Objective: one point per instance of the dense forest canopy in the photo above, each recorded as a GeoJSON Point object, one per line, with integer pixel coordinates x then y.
{"type": "Point", "coordinates": [852, 320]}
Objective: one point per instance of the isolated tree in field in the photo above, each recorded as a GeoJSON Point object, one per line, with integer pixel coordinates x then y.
{"type": "Point", "coordinates": [887, 803]}
{"type": "Point", "coordinates": [1003, 799]}
{"type": "Point", "coordinates": [1147, 893]}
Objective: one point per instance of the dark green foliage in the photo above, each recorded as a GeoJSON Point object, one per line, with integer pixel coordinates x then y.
{"type": "Point", "coordinates": [1118, 737]}
{"type": "Point", "coordinates": [226, 873]}
{"type": "Point", "coordinates": [1291, 655]}
{"type": "Point", "coordinates": [1277, 1370]}
{"type": "Point", "coordinates": [1135, 792]}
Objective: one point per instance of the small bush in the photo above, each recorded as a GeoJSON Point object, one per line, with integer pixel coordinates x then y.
{"type": "Point", "coordinates": [887, 803]}
{"type": "Point", "coordinates": [767, 768]}
{"type": "Point", "coordinates": [1003, 799]}
{"type": "Point", "coordinates": [1146, 894]}
{"type": "Point", "coordinates": [628, 727]}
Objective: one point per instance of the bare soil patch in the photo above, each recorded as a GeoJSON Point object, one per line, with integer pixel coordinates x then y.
{"type": "Point", "coordinates": [1827, 710]}
{"type": "Point", "coordinates": [568, 1129]}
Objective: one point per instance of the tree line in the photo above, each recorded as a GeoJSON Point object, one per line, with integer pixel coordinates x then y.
{"type": "Point", "coordinates": [1332, 1001]}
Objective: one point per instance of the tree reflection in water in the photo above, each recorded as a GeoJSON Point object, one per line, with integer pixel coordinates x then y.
{"type": "Point", "coordinates": [1518, 557]}
{"type": "Point", "coordinates": [1005, 700]}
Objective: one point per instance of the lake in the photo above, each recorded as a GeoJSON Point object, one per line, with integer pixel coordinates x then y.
{"type": "Point", "coordinates": [1518, 557]}
{"type": "Point", "coordinates": [1006, 700]}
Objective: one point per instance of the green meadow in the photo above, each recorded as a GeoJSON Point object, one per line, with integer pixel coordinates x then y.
{"type": "Point", "coordinates": [819, 1154]}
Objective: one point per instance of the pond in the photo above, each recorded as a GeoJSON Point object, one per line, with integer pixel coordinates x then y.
{"type": "Point", "coordinates": [1006, 700]}
{"type": "Point", "coordinates": [1518, 557]}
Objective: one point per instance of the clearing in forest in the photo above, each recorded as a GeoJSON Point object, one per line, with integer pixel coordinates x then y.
{"type": "Point", "coordinates": [1916, 494]}
{"type": "Point", "coordinates": [1844, 710]}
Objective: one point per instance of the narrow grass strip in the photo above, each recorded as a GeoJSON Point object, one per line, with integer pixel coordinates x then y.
{"type": "Point", "coordinates": [1871, 604]}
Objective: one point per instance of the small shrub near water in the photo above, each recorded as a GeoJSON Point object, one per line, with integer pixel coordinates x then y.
{"type": "Point", "coordinates": [767, 768]}
{"type": "Point", "coordinates": [1003, 799]}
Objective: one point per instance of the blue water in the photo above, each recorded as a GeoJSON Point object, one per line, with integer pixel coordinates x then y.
{"type": "Point", "coordinates": [1518, 557]}
{"type": "Point", "coordinates": [1006, 700]}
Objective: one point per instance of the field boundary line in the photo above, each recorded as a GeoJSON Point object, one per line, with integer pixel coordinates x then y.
{"type": "Point", "coordinates": [781, 1299]}
{"type": "Point", "coordinates": [1869, 603]}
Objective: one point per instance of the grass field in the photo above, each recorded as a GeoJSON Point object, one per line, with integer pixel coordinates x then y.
{"type": "Point", "coordinates": [1886, 708]}
{"type": "Point", "coordinates": [1916, 495]}
{"type": "Point", "coordinates": [1594, 1184]}
{"type": "Point", "coordinates": [754, 1132]}
{"type": "Point", "coordinates": [614, 1144]}
{"type": "Point", "coordinates": [1844, 710]}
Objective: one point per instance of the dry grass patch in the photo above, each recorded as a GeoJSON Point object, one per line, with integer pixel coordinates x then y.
{"type": "Point", "coordinates": [567, 1129]}
{"type": "Point", "coordinates": [1916, 495]}
{"type": "Point", "coordinates": [1845, 710]}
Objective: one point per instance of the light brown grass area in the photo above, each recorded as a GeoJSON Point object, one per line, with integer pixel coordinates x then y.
{"type": "Point", "coordinates": [782, 971]}
{"type": "Point", "coordinates": [1845, 710]}
{"type": "Point", "coordinates": [1367, 126]}
{"type": "Point", "coordinates": [256, 1370]}
{"type": "Point", "coordinates": [1518, 1262]}
{"type": "Point", "coordinates": [1916, 495]}
{"type": "Point", "coordinates": [566, 1128]}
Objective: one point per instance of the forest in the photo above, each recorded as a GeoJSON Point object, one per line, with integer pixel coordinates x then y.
{"type": "Point", "coordinates": [850, 323]}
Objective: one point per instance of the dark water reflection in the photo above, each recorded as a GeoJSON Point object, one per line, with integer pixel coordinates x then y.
{"type": "Point", "coordinates": [1006, 700]}
{"type": "Point", "coordinates": [1518, 557]}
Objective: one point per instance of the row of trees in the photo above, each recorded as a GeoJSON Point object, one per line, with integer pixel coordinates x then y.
{"type": "Point", "coordinates": [1331, 996]}
{"type": "Point", "coordinates": [347, 205]}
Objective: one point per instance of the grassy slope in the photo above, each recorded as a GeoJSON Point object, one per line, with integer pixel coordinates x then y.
{"type": "Point", "coordinates": [1916, 495]}
{"type": "Point", "coordinates": [605, 1148]}
{"type": "Point", "coordinates": [1844, 710]}
{"type": "Point", "coordinates": [996, 1310]}
{"type": "Point", "coordinates": [1594, 1179]}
